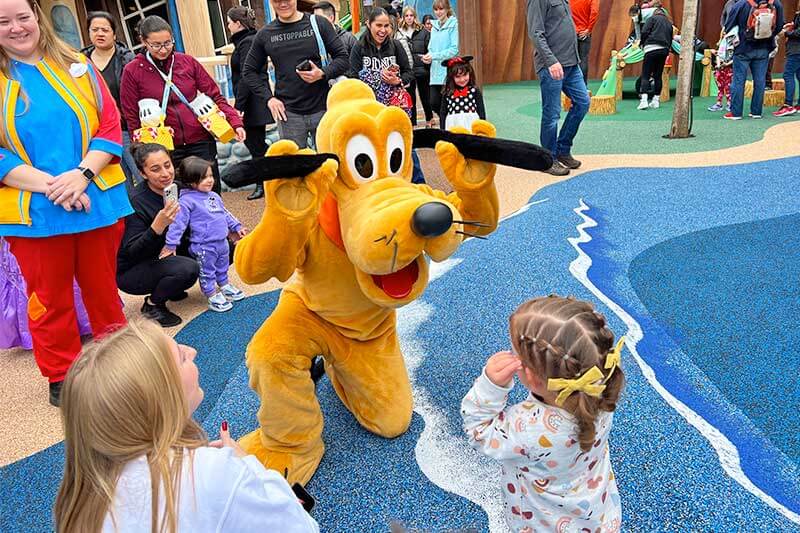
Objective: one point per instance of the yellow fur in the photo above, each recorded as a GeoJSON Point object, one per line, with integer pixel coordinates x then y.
{"type": "Point", "coordinates": [333, 305]}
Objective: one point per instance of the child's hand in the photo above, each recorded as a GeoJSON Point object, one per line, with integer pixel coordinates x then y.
{"type": "Point", "coordinates": [166, 252]}
{"type": "Point", "coordinates": [501, 367]}
{"type": "Point", "coordinates": [242, 232]}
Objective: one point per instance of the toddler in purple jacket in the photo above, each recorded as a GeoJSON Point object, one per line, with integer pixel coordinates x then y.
{"type": "Point", "coordinates": [209, 222]}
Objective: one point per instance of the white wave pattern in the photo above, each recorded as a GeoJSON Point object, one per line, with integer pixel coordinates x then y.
{"type": "Point", "coordinates": [726, 450]}
{"type": "Point", "coordinates": [447, 460]}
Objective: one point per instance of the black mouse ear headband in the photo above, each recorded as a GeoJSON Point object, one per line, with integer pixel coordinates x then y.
{"type": "Point", "coordinates": [455, 61]}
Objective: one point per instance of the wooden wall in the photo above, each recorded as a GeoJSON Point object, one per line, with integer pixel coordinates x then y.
{"type": "Point", "coordinates": [508, 52]}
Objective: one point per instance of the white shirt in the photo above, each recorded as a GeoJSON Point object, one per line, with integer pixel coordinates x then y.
{"type": "Point", "coordinates": [548, 483]}
{"type": "Point", "coordinates": [228, 493]}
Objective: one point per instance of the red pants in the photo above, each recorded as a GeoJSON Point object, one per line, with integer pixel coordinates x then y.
{"type": "Point", "coordinates": [49, 265]}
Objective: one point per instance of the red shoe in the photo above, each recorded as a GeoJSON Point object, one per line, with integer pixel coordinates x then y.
{"type": "Point", "coordinates": [785, 111]}
{"type": "Point", "coordinates": [730, 116]}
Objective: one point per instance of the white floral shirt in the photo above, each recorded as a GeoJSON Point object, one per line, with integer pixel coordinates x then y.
{"type": "Point", "coordinates": [548, 482]}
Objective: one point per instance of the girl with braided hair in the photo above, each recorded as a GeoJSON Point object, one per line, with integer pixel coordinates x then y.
{"type": "Point", "coordinates": [556, 470]}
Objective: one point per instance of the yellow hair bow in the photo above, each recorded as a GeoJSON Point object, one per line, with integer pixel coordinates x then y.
{"type": "Point", "coordinates": [587, 384]}
{"type": "Point", "coordinates": [614, 357]}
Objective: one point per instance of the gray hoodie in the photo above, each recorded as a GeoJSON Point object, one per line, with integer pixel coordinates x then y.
{"type": "Point", "coordinates": [552, 31]}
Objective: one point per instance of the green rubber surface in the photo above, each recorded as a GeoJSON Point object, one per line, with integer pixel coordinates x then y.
{"type": "Point", "coordinates": [515, 109]}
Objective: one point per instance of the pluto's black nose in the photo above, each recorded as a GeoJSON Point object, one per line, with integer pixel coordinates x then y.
{"type": "Point", "coordinates": [431, 219]}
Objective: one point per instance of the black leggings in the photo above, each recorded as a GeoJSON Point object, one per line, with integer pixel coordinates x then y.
{"type": "Point", "coordinates": [653, 67]}
{"type": "Point", "coordinates": [205, 150]}
{"type": "Point", "coordinates": [162, 279]}
{"type": "Point", "coordinates": [255, 140]}
{"type": "Point", "coordinates": [436, 101]}
{"type": "Point", "coordinates": [424, 88]}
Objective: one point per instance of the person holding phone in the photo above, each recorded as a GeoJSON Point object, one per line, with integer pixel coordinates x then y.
{"type": "Point", "coordinates": [127, 413]}
{"type": "Point", "coordinates": [379, 61]}
{"type": "Point", "coordinates": [140, 270]}
{"type": "Point", "coordinates": [292, 43]}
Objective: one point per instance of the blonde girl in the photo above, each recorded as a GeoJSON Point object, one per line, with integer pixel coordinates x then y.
{"type": "Point", "coordinates": [136, 461]}
{"type": "Point", "coordinates": [556, 471]}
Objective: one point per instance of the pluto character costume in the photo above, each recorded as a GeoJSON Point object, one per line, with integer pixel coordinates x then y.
{"type": "Point", "coordinates": [355, 235]}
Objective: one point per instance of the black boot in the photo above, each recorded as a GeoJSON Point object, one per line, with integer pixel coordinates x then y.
{"type": "Point", "coordinates": [160, 314]}
{"type": "Point", "coordinates": [258, 193]}
{"type": "Point", "coordinates": [55, 393]}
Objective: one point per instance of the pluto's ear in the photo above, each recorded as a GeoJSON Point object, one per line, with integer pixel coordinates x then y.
{"type": "Point", "coordinates": [515, 154]}
{"type": "Point", "coordinates": [273, 167]}
{"type": "Point", "coordinates": [347, 90]}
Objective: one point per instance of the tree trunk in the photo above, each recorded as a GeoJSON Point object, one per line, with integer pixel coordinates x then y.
{"type": "Point", "coordinates": [680, 117]}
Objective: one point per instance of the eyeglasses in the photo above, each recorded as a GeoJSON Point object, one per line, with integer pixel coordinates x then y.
{"type": "Point", "coordinates": [161, 46]}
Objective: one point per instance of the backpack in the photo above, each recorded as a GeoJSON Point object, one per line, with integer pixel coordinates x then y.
{"type": "Point", "coordinates": [761, 22]}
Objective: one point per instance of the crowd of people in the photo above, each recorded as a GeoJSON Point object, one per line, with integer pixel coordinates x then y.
{"type": "Point", "coordinates": [73, 236]}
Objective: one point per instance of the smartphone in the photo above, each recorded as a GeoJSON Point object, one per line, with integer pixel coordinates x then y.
{"type": "Point", "coordinates": [305, 66]}
{"type": "Point", "coordinates": [303, 495]}
{"type": "Point", "coordinates": [170, 193]}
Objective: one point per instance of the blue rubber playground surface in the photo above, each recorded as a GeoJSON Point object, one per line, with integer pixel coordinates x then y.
{"type": "Point", "coordinates": [697, 267]}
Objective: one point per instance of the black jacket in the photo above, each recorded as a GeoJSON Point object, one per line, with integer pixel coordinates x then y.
{"type": "Point", "coordinates": [123, 57]}
{"type": "Point", "coordinates": [365, 55]}
{"type": "Point", "coordinates": [256, 112]}
{"type": "Point", "coordinates": [419, 47]}
{"type": "Point", "coordinates": [139, 242]}
{"type": "Point", "coordinates": [657, 30]}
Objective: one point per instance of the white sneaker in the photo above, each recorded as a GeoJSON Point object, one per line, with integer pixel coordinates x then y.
{"type": "Point", "coordinates": [232, 293]}
{"type": "Point", "coordinates": [656, 103]}
{"type": "Point", "coordinates": [219, 303]}
{"type": "Point", "coordinates": [643, 104]}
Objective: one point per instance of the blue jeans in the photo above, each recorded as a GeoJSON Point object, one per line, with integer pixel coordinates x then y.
{"type": "Point", "coordinates": [757, 61]}
{"type": "Point", "coordinates": [791, 70]}
{"type": "Point", "coordinates": [575, 88]}
{"type": "Point", "coordinates": [132, 176]}
{"type": "Point", "coordinates": [417, 176]}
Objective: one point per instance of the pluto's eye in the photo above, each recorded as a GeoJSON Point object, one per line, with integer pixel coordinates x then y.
{"type": "Point", "coordinates": [395, 147]}
{"type": "Point", "coordinates": [361, 158]}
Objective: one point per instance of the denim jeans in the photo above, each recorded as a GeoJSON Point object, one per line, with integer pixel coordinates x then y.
{"type": "Point", "coordinates": [299, 128]}
{"type": "Point", "coordinates": [757, 61]}
{"type": "Point", "coordinates": [132, 176]}
{"type": "Point", "coordinates": [574, 87]}
{"type": "Point", "coordinates": [417, 176]}
{"type": "Point", "coordinates": [791, 70]}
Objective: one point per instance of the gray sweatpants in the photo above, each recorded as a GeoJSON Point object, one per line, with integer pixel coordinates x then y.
{"type": "Point", "coordinates": [297, 128]}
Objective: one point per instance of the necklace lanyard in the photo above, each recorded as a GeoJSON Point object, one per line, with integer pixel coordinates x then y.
{"type": "Point", "coordinates": [169, 86]}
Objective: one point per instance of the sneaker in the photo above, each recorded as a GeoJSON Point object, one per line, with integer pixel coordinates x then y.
{"type": "Point", "coordinates": [160, 314]}
{"type": "Point", "coordinates": [797, 108]}
{"type": "Point", "coordinates": [258, 193]}
{"type": "Point", "coordinates": [557, 169]}
{"type": "Point", "coordinates": [643, 105]}
{"type": "Point", "coordinates": [219, 303]}
{"type": "Point", "coordinates": [55, 393]}
{"type": "Point", "coordinates": [716, 107]}
{"type": "Point", "coordinates": [728, 108]}
{"type": "Point", "coordinates": [785, 111]}
{"type": "Point", "coordinates": [730, 116]}
{"type": "Point", "coordinates": [569, 161]}
{"type": "Point", "coordinates": [756, 117]}
{"type": "Point", "coordinates": [232, 293]}
{"type": "Point", "coordinates": [655, 103]}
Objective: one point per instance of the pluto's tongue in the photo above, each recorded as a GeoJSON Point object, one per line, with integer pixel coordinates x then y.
{"type": "Point", "coordinates": [398, 285]}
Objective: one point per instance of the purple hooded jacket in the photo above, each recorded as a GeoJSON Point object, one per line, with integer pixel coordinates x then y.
{"type": "Point", "coordinates": [206, 216]}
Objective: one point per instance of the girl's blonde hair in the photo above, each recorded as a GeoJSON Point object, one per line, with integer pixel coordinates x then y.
{"type": "Point", "coordinates": [402, 25]}
{"type": "Point", "coordinates": [123, 399]}
{"type": "Point", "coordinates": [559, 337]}
{"type": "Point", "coordinates": [443, 4]}
{"type": "Point", "coordinates": [52, 47]}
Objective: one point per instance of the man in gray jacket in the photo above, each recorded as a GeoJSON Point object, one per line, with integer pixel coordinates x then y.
{"type": "Point", "coordinates": [557, 65]}
{"type": "Point", "coordinates": [327, 10]}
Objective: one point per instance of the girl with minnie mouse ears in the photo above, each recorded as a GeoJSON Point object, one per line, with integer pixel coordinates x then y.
{"type": "Point", "coordinates": [462, 101]}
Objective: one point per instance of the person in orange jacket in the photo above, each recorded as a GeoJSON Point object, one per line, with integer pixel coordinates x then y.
{"type": "Point", "coordinates": [584, 14]}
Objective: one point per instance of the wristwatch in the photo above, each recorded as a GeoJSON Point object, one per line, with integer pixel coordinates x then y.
{"type": "Point", "coordinates": [87, 173]}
